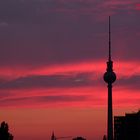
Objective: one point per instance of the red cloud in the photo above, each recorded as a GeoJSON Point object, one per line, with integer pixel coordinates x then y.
{"type": "Point", "coordinates": [137, 6]}
{"type": "Point", "coordinates": [68, 97]}
{"type": "Point", "coordinates": [122, 68]}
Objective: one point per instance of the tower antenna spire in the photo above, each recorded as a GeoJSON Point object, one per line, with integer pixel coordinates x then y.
{"type": "Point", "coordinates": [109, 41]}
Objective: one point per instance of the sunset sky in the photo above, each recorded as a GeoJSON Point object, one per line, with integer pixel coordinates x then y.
{"type": "Point", "coordinates": [53, 56]}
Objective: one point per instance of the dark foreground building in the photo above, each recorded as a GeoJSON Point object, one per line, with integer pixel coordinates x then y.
{"type": "Point", "coordinates": [127, 127]}
{"type": "Point", "coordinates": [79, 138]}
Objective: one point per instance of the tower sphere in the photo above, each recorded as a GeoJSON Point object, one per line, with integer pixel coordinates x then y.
{"type": "Point", "coordinates": [109, 77]}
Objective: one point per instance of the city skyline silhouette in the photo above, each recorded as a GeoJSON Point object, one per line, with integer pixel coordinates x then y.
{"type": "Point", "coordinates": [53, 56]}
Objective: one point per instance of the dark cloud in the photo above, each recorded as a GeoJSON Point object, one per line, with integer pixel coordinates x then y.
{"type": "Point", "coordinates": [4, 94]}
{"type": "Point", "coordinates": [60, 98]}
{"type": "Point", "coordinates": [2, 81]}
{"type": "Point", "coordinates": [43, 100]}
{"type": "Point", "coordinates": [132, 82]}
{"type": "Point", "coordinates": [44, 81]}
{"type": "Point", "coordinates": [66, 80]}
{"type": "Point", "coordinates": [64, 98]}
{"type": "Point", "coordinates": [38, 32]}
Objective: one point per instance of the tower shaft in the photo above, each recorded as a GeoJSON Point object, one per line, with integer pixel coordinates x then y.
{"type": "Point", "coordinates": [110, 113]}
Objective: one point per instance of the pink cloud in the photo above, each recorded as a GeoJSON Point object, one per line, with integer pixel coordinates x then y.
{"type": "Point", "coordinates": [95, 96]}
{"type": "Point", "coordinates": [122, 68]}
{"type": "Point", "coordinates": [137, 6]}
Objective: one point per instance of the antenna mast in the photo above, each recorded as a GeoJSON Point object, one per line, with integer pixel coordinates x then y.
{"type": "Point", "coordinates": [109, 41]}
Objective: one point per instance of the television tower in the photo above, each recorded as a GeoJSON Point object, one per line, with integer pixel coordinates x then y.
{"type": "Point", "coordinates": [109, 78]}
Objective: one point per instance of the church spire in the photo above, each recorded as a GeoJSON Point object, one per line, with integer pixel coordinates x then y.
{"type": "Point", "coordinates": [53, 136]}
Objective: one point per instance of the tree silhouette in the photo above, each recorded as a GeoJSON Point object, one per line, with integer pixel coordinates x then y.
{"type": "Point", "coordinates": [4, 132]}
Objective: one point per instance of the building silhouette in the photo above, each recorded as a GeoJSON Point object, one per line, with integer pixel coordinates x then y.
{"type": "Point", "coordinates": [127, 127]}
{"type": "Point", "coordinates": [53, 137]}
{"type": "Point", "coordinates": [79, 138]}
{"type": "Point", "coordinates": [109, 78]}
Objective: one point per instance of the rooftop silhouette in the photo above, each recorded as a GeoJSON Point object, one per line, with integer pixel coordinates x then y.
{"type": "Point", "coordinates": [127, 127]}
